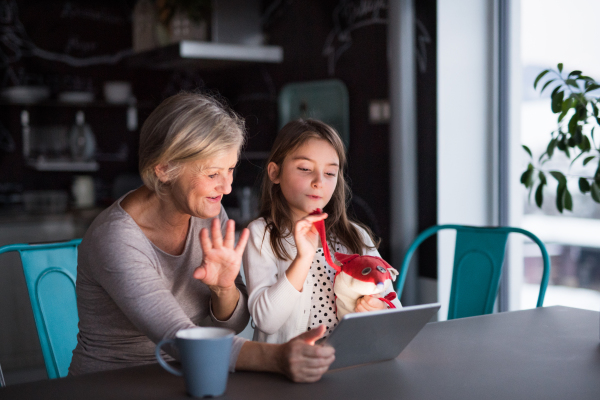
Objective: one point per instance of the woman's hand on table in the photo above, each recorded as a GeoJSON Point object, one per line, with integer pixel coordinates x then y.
{"type": "Point", "coordinates": [300, 359]}
{"type": "Point", "coordinates": [303, 361]}
{"type": "Point", "coordinates": [221, 265]}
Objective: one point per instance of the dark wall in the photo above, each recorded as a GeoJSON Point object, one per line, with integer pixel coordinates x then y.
{"type": "Point", "coordinates": [313, 34]}
{"type": "Point", "coordinates": [426, 33]}
{"type": "Point", "coordinates": [327, 39]}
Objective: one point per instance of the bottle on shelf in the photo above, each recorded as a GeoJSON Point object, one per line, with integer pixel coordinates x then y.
{"type": "Point", "coordinates": [82, 140]}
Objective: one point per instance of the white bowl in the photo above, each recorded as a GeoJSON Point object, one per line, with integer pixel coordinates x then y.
{"type": "Point", "coordinates": [117, 92]}
{"type": "Point", "coordinates": [26, 94]}
{"type": "Point", "coordinates": [76, 97]}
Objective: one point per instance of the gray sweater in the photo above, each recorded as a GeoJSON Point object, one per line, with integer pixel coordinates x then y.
{"type": "Point", "coordinates": [131, 294]}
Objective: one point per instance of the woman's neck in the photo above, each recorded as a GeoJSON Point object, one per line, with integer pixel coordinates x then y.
{"type": "Point", "coordinates": [162, 223]}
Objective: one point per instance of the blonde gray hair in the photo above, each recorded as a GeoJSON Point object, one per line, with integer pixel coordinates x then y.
{"type": "Point", "coordinates": [183, 128]}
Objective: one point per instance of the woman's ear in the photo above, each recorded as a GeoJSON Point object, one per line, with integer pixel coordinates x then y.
{"type": "Point", "coordinates": [273, 171]}
{"type": "Point", "coordinates": [161, 172]}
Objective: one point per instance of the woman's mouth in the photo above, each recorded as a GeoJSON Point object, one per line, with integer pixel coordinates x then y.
{"type": "Point", "coordinates": [215, 199]}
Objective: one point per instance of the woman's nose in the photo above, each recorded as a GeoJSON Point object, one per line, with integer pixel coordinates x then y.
{"type": "Point", "coordinates": [226, 185]}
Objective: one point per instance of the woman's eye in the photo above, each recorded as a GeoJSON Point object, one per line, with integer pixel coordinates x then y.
{"type": "Point", "coordinates": [212, 176]}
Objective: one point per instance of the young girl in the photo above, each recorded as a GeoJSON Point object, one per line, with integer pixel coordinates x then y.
{"type": "Point", "coordinates": [289, 283]}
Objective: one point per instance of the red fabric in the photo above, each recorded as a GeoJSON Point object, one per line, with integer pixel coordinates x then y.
{"type": "Point", "coordinates": [320, 225]}
{"type": "Point", "coordinates": [345, 258]}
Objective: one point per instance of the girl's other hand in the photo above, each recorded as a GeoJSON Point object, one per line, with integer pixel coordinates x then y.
{"type": "Point", "coordinates": [369, 303]}
{"type": "Point", "coordinates": [306, 235]}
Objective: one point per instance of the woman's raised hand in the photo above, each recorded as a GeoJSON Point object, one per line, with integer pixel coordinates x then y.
{"type": "Point", "coordinates": [221, 258]}
{"type": "Point", "coordinates": [306, 235]}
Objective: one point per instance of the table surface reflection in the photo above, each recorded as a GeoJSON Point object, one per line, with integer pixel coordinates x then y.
{"type": "Point", "coordinates": [545, 353]}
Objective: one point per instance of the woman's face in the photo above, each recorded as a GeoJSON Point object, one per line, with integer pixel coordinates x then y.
{"type": "Point", "coordinates": [200, 187]}
{"type": "Point", "coordinates": [307, 177]}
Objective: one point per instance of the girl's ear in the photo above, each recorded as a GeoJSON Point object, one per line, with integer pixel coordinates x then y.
{"type": "Point", "coordinates": [161, 172]}
{"type": "Point", "coordinates": [273, 171]}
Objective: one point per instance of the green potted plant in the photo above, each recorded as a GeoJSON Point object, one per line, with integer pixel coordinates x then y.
{"type": "Point", "coordinates": [575, 103]}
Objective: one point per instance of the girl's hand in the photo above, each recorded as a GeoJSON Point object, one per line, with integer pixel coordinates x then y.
{"type": "Point", "coordinates": [306, 235]}
{"type": "Point", "coordinates": [369, 303]}
{"type": "Point", "coordinates": [221, 260]}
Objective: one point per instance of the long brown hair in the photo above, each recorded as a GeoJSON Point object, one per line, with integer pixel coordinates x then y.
{"type": "Point", "coordinates": [274, 207]}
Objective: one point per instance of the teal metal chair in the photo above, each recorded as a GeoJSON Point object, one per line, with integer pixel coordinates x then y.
{"type": "Point", "coordinates": [50, 270]}
{"type": "Point", "coordinates": [478, 259]}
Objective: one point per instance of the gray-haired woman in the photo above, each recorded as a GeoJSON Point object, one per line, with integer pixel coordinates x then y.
{"type": "Point", "coordinates": [138, 260]}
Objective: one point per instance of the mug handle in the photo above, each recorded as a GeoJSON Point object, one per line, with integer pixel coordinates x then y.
{"type": "Point", "coordinates": [162, 362]}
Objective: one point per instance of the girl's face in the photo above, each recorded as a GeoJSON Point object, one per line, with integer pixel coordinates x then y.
{"type": "Point", "coordinates": [307, 177]}
{"type": "Point", "coordinates": [199, 188]}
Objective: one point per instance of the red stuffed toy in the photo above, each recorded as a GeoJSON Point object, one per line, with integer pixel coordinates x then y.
{"type": "Point", "coordinates": [357, 276]}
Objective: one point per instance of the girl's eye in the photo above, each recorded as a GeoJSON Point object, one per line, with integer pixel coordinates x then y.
{"type": "Point", "coordinates": [303, 169]}
{"type": "Point", "coordinates": [333, 175]}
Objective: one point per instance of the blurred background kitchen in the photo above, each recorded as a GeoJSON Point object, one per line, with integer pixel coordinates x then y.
{"type": "Point", "coordinates": [78, 79]}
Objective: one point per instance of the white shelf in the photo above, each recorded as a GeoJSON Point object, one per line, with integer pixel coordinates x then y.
{"type": "Point", "coordinates": [63, 165]}
{"type": "Point", "coordinates": [205, 55]}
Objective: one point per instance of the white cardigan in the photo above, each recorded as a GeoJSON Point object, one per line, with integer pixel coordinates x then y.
{"type": "Point", "coordinates": [280, 312]}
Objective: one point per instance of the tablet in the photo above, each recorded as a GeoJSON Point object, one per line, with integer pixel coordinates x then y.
{"type": "Point", "coordinates": [373, 336]}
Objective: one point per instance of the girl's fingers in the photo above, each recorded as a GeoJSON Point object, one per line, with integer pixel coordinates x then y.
{"type": "Point", "coordinates": [315, 217]}
{"type": "Point", "coordinates": [229, 234]}
{"type": "Point", "coordinates": [217, 237]}
{"type": "Point", "coordinates": [205, 241]}
{"type": "Point", "coordinates": [239, 249]}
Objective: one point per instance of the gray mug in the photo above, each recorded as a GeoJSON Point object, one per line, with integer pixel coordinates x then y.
{"type": "Point", "coordinates": [204, 353]}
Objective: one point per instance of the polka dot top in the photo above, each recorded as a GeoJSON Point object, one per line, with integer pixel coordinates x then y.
{"type": "Point", "coordinates": [322, 300]}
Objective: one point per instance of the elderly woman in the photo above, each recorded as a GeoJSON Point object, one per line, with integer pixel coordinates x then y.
{"type": "Point", "coordinates": [148, 267]}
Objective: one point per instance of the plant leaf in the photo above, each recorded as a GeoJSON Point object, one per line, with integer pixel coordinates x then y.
{"type": "Point", "coordinates": [562, 180]}
{"type": "Point", "coordinates": [591, 87]}
{"type": "Point", "coordinates": [557, 100]}
{"type": "Point", "coordinates": [527, 178]}
{"type": "Point", "coordinates": [546, 85]}
{"type": "Point", "coordinates": [539, 195]}
{"type": "Point", "coordinates": [572, 82]}
{"type": "Point", "coordinates": [568, 200]}
{"type": "Point", "coordinates": [588, 159]}
{"type": "Point", "coordinates": [584, 185]}
{"type": "Point", "coordinates": [595, 192]}
{"type": "Point", "coordinates": [540, 76]}
{"type": "Point", "coordinates": [527, 150]}
{"type": "Point", "coordinates": [560, 192]}
{"type": "Point", "coordinates": [560, 67]}
{"type": "Point", "coordinates": [542, 177]}
{"type": "Point", "coordinates": [551, 147]}
{"type": "Point", "coordinates": [575, 73]}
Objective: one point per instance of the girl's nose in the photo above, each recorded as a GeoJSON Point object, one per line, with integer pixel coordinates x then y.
{"type": "Point", "coordinates": [317, 181]}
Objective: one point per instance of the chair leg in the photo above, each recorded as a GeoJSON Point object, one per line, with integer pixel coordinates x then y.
{"type": "Point", "coordinates": [2, 383]}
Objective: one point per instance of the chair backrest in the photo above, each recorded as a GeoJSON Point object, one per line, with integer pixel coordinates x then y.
{"type": "Point", "coordinates": [478, 259]}
{"type": "Point", "coordinates": [50, 270]}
